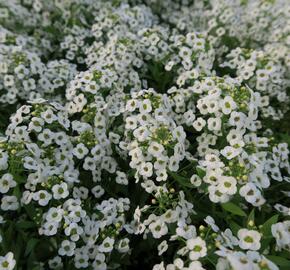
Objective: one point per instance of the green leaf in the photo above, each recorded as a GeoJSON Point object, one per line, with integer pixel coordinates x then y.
{"type": "Point", "coordinates": [25, 225]}
{"type": "Point", "coordinates": [234, 209]}
{"type": "Point", "coordinates": [30, 246]}
{"type": "Point", "coordinates": [251, 216]}
{"type": "Point", "coordinates": [30, 210]}
{"type": "Point", "coordinates": [37, 267]}
{"type": "Point", "coordinates": [184, 181]}
{"type": "Point", "coordinates": [266, 228]}
{"type": "Point", "coordinates": [280, 261]}
{"type": "Point", "coordinates": [8, 237]}
{"type": "Point", "coordinates": [235, 227]}
{"type": "Point", "coordinates": [18, 246]}
{"type": "Point", "coordinates": [201, 173]}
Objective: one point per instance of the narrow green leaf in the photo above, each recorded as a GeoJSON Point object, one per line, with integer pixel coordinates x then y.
{"type": "Point", "coordinates": [251, 216]}
{"type": "Point", "coordinates": [184, 181]}
{"type": "Point", "coordinates": [25, 225]}
{"type": "Point", "coordinates": [266, 228]}
{"type": "Point", "coordinates": [30, 246]}
{"type": "Point", "coordinates": [201, 173]}
{"type": "Point", "coordinates": [235, 227]}
{"type": "Point", "coordinates": [234, 209]}
{"type": "Point", "coordinates": [280, 261]}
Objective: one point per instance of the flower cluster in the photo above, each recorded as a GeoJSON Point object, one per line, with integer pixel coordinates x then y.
{"type": "Point", "coordinates": [143, 134]}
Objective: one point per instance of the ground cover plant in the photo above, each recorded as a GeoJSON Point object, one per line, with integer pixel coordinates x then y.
{"type": "Point", "coordinates": [142, 134]}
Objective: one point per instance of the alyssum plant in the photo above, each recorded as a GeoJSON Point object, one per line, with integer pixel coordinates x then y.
{"type": "Point", "coordinates": [143, 135]}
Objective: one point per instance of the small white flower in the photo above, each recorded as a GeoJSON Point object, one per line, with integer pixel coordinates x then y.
{"type": "Point", "coordinates": [74, 231]}
{"type": "Point", "coordinates": [43, 197]}
{"type": "Point", "coordinates": [123, 245]}
{"type": "Point", "coordinates": [145, 106]}
{"type": "Point", "coordinates": [199, 124]}
{"type": "Point", "coordinates": [197, 248]}
{"type": "Point", "coordinates": [155, 149]}
{"type": "Point", "coordinates": [6, 182]}
{"type": "Point", "coordinates": [81, 260]}
{"type": "Point", "coordinates": [36, 124]}
{"type": "Point", "coordinates": [228, 105]}
{"type": "Point", "coordinates": [210, 221]}
{"type": "Point", "coordinates": [107, 245]}
{"type": "Point", "coordinates": [158, 228]}
{"type": "Point", "coordinates": [196, 265]}
{"type": "Point", "coordinates": [60, 191]}
{"type": "Point", "coordinates": [121, 178]}
{"type": "Point", "coordinates": [131, 122]}
{"type": "Point", "coordinates": [48, 116]}
{"type": "Point", "coordinates": [162, 247]}
{"type": "Point", "coordinates": [227, 184]}
{"type": "Point", "coordinates": [67, 248]}
{"type": "Point", "coordinates": [230, 152]}
{"type": "Point", "coordinates": [132, 104]}
{"type": "Point", "coordinates": [80, 151]}
{"type": "Point", "coordinates": [146, 169]}
{"type": "Point", "coordinates": [98, 191]}
{"type": "Point", "coordinates": [249, 239]}
{"type": "Point", "coordinates": [9, 203]}
{"type": "Point", "coordinates": [7, 262]}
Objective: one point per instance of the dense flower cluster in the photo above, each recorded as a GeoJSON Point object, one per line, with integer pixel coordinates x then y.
{"type": "Point", "coordinates": [143, 135]}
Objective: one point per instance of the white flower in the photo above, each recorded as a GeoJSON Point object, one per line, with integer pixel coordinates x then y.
{"type": "Point", "coordinates": [199, 124]}
{"type": "Point", "coordinates": [54, 214]}
{"type": "Point", "coordinates": [81, 260]}
{"type": "Point", "coordinates": [121, 178]}
{"type": "Point", "coordinates": [146, 169]}
{"type": "Point", "coordinates": [216, 196]}
{"type": "Point", "coordinates": [43, 197]}
{"type": "Point", "coordinates": [195, 266]}
{"type": "Point", "coordinates": [131, 122]}
{"type": "Point", "coordinates": [141, 133]}
{"type": "Point", "coordinates": [9, 80]}
{"type": "Point", "coordinates": [9, 203]}
{"type": "Point", "coordinates": [155, 149]}
{"type": "Point", "coordinates": [80, 151]}
{"type": "Point", "coordinates": [280, 231]}
{"type": "Point", "coordinates": [230, 152]}
{"type": "Point", "coordinates": [29, 84]}
{"type": "Point", "coordinates": [7, 262]}
{"type": "Point", "coordinates": [123, 245]}
{"type": "Point", "coordinates": [197, 248]}
{"type": "Point", "coordinates": [48, 116]}
{"type": "Point", "coordinates": [36, 124]}
{"type": "Point", "coordinates": [55, 263]}
{"type": "Point", "coordinates": [145, 106]}
{"type": "Point", "coordinates": [98, 191]}
{"type": "Point", "coordinates": [3, 160]}
{"type": "Point", "coordinates": [60, 191]}
{"type": "Point", "coordinates": [170, 216]}
{"type": "Point", "coordinates": [158, 228]}
{"type": "Point", "coordinates": [210, 221]}
{"type": "Point", "coordinates": [74, 231]}
{"type": "Point", "coordinates": [227, 184]}
{"type": "Point", "coordinates": [132, 104]}
{"type": "Point", "coordinates": [162, 247]}
{"type": "Point", "coordinates": [249, 239]}
{"type": "Point", "coordinates": [107, 245]}
{"type": "Point", "coordinates": [214, 124]}
{"type": "Point", "coordinates": [195, 180]}
{"type": "Point", "coordinates": [6, 182]}
{"type": "Point", "coordinates": [228, 105]}
{"type": "Point", "coordinates": [80, 192]}
{"type": "Point", "coordinates": [67, 248]}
